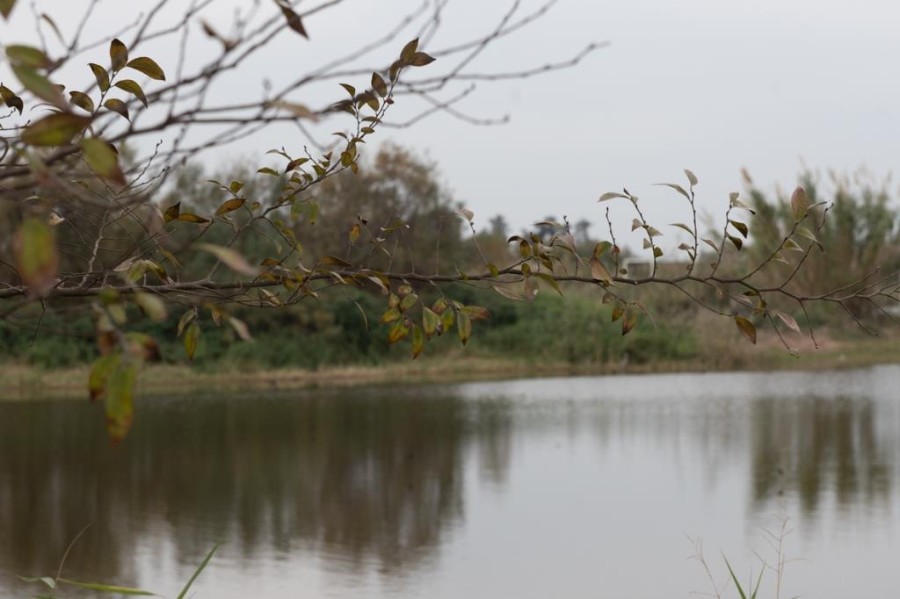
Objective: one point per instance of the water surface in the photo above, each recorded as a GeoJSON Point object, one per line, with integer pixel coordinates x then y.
{"type": "Point", "coordinates": [568, 487]}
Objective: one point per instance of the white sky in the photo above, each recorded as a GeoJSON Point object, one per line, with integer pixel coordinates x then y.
{"type": "Point", "coordinates": [711, 85]}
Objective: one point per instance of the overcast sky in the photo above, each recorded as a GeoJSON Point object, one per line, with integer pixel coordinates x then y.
{"type": "Point", "coordinates": [711, 85]}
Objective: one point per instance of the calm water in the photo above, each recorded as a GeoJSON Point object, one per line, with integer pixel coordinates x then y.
{"type": "Point", "coordinates": [585, 487]}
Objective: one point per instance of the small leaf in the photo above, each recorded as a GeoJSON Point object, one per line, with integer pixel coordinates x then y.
{"type": "Point", "coordinates": [599, 272]}
{"type": "Point", "coordinates": [119, 400]}
{"type": "Point", "coordinates": [6, 7]}
{"type": "Point", "coordinates": [418, 341]}
{"type": "Point", "coordinates": [611, 195]}
{"type": "Point", "coordinates": [392, 314]}
{"type": "Point", "coordinates": [191, 338]}
{"type": "Point", "coordinates": [746, 327]}
{"type": "Point", "coordinates": [508, 293]}
{"type": "Point", "coordinates": [186, 319]}
{"type": "Point", "coordinates": [230, 206]}
{"type": "Point", "coordinates": [466, 214]}
{"type": "Point", "coordinates": [187, 217]}
{"type": "Point", "coordinates": [741, 227]}
{"type": "Point", "coordinates": [100, 371]}
{"type": "Point", "coordinates": [408, 301]}
{"type": "Point", "coordinates": [398, 332]}
{"type": "Point", "coordinates": [630, 321]}
{"type": "Point", "coordinates": [420, 59]}
{"type": "Point", "coordinates": [379, 85]}
{"type": "Point", "coordinates": [736, 241]}
{"type": "Point", "coordinates": [172, 212]}
{"type": "Point", "coordinates": [430, 321]}
{"type": "Point", "coordinates": [101, 75]}
{"type": "Point", "coordinates": [230, 258]}
{"type": "Point", "coordinates": [711, 244]}
{"type": "Point", "coordinates": [240, 327]}
{"type": "Point", "coordinates": [28, 56]}
{"type": "Point", "coordinates": [133, 88]}
{"type": "Point", "coordinates": [677, 188]}
{"type": "Point", "coordinates": [11, 99]}
{"type": "Point", "coordinates": [684, 227]}
{"type": "Point", "coordinates": [464, 327]}
{"type": "Point", "coordinates": [788, 320]}
{"type": "Point", "coordinates": [151, 305]}
{"type": "Point", "coordinates": [618, 311]}
{"type": "Point", "coordinates": [148, 67]}
{"type": "Point", "coordinates": [476, 312]}
{"type": "Point", "coordinates": [333, 261]}
{"type": "Point", "coordinates": [691, 177]}
{"type": "Point", "coordinates": [118, 54]}
{"type": "Point", "coordinates": [657, 251]}
{"type": "Point", "coordinates": [55, 130]}
{"type": "Point", "coordinates": [349, 89]}
{"type": "Point", "coordinates": [355, 232]}
{"type": "Point", "coordinates": [82, 100]}
{"type": "Point", "coordinates": [409, 50]}
{"type": "Point", "coordinates": [36, 254]}
{"type": "Point", "coordinates": [39, 85]}
{"type": "Point", "coordinates": [293, 19]}
{"type": "Point", "coordinates": [118, 106]}
{"type": "Point", "coordinates": [799, 203]}
{"type": "Point", "coordinates": [103, 159]}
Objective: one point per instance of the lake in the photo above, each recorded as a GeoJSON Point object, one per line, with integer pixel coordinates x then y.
{"type": "Point", "coordinates": [556, 487]}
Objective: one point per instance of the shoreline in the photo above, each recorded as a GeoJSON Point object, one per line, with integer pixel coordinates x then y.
{"type": "Point", "coordinates": [25, 382]}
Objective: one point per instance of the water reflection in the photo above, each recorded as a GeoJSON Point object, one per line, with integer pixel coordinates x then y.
{"type": "Point", "coordinates": [383, 480]}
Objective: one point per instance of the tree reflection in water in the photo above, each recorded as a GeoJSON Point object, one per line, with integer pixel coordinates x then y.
{"type": "Point", "coordinates": [373, 479]}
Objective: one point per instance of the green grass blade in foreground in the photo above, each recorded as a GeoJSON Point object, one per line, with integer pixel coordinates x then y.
{"type": "Point", "coordinates": [737, 583]}
{"type": "Point", "coordinates": [106, 588]}
{"type": "Point", "coordinates": [197, 572]}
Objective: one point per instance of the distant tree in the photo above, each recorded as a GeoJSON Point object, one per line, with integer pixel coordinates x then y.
{"type": "Point", "coordinates": [83, 169]}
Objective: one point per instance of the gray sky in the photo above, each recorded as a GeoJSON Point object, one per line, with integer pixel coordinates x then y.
{"type": "Point", "coordinates": [711, 85]}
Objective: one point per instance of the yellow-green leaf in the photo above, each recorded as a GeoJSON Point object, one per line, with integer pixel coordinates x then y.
{"type": "Point", "coordinates": [11, 99]}
{"type": "Point", "coordinates": [118, 54]}
{"type": "Point", "coordinates": [599, 272]}
{"type": "Point", "coordinates": [120, 400]}
{"type": "Point", "coordinates": [476, 312]}
{"type": "Point", "coordinates": [230, 258]}
{"type": "Point", "coordinates": [55, 130]}
{"type": "Point", "coordinates": [418, 341]}
{"type": "Point", "coordinates": [187, 217]}
{"type": "Point", "coordinates": [118, 106]}
{"type": "Point", "coordinates": [6, 7]}
{"type": "Point", "coordinates": [148, 67]}
{"type": "Point", "coordinates": [37, 258]}
{"type": "Point", "coordinates": [191, 339]}
{"type": "Point", "coordinates": [799, 203]}
{"type": "Point", "coordinates": [133, 88]}
{"type": "Point", "coordinates": [463, 327]}
{"type": "Point", "coordinates": [103, 159]}
{"type": "Point", "coordinates": [230, 206]}
{"type": "Point", "coordinates": [100, 371]}
{"type": "Point", "coordinates": [82, 100]}
{"type": "Point", "coordinates": [151, 305]}
{"type": "Point", "coordinates": [39, 85]}
{"type": "Point", "coordinates": [172, 212]}
{"type": "Point", "coordinates": [430, 321]}
{"type": "Point", "coordinates": [630, 320]}
{"type": "Point", "coordinates": [28, 56]}
{"type": "Point", "coordinates": [379, 85]}
{"type": "Point", "coordinates": [101, 75]}
{"type": "Point", "coordinates": [186, 319]}
{"type": "Point", "coordinates": [398, 332]}
{"type": "Point", "coordinates": [746, 328]}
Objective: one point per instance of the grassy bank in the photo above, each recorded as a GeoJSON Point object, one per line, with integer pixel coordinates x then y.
{"type": "Point", "coordinates": [20, 382]}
